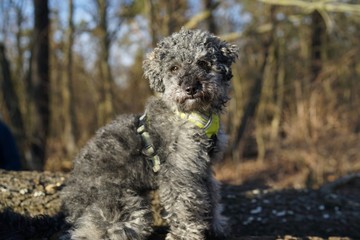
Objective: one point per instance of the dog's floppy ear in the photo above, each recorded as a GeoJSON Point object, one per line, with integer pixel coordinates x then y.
{"type": "Point", "coordinates": [225, 52]}
{"type": "Point", "coordinates": [230, 52]}
{"type": "Point", "coordinates": [152, 70]}
{"type": "Point", "coordinates": [226, 55]}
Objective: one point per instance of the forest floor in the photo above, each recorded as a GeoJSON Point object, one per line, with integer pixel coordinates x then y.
{"type": "Point", "coordinates": [331, 212]}
{"type": "Point", "coordinates": [256, 212]}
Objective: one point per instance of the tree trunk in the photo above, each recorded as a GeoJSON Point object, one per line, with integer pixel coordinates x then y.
{"type": "Point", "coordinates": [18, 78]}
{"type": "Point", "coordinates": [176, 11]}
{"type": "Point", "coordinates": [150, 8]}
{"type": "Point", "coordinates": [165, 24]}
{"type": "Point", "coordinates": [10, 97]}
{"type": "Point", "coordinates": [209, 6]}
{"type": "Point", "coordinates": [318, 35]}
{"type": "Point", "coordinates": [105, 109]}
{"type": "Point", "coordinates": [279, 90]}
{"type": "Point", "coordinates": [67, 89]}
{"type": "Point", "coordinates": [250, 109]}
{"type": "Point", "coordinates": [40, 82]}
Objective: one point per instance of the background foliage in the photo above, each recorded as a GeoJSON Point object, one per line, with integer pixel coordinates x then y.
{"type": "Point", "coordinates": [294, 117]}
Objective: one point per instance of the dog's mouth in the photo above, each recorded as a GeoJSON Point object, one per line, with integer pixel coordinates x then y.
{"type": "Point", "coordinates": [197, 97]}
{"type": "Point", "coordinates": [194, 95]}
{"type": "Point", "coordinates": [195, 102]}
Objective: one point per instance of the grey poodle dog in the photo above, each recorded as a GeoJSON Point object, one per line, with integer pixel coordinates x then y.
{"type": "Point", "coordinates": [170, 148]}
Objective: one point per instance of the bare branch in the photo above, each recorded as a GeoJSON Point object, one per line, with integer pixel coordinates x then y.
{"type": "Point", "coordinates": [326, 5]}
{"type": "Point", "coordinates": [195, 20]}
{"type": "Point", "coordinates": [233, 36]}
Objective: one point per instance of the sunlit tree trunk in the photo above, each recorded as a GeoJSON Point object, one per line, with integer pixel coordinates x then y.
{"type": "Point", "coordinates": [68, 111]}
{"type": "Point", "coordinates": [150, 9]}
{"type": "Point", "coordinates": [317, 60]}
{"type": "Point", "coordinates": [19, 63]}
{"type": "Point", "coordinates": [22, 133]}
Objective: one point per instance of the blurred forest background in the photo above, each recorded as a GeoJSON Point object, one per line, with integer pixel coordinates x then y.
{"type": "Point", "coordinates": [69, 67]}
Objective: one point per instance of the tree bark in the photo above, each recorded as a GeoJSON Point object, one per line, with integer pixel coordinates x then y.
{"type": "Point", "coordinates": [67, 88]}
{"type": "Point", "coordinates": [250, 109]}
{"type": "Point", "coordinates": [40, 82]}
{"type": "Point", "coordinates": [150, 8]}
{"type": "Point", "coordinates": [8, 91]}
{"type": "Point", "coordinates": [162, 25]}
{"type": "Point", "coordinates": [318, 29]}
{"type": "Point", "coordinates": [210, 6]}
{"type": "Point", "coordinates": [105, 109]}
{"type": "Point", "coordinates": [279, 90]}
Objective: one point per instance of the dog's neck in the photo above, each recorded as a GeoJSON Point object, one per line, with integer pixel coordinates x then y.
{"type": "Point", "coordinates": [210, 123]}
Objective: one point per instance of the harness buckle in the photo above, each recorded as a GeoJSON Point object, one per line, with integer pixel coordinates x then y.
{"type": "Point", "coordinates": [148, 150]}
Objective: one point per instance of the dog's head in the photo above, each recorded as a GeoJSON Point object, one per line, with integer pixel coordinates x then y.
{"type": "Point", "coordinates": [191, 69]}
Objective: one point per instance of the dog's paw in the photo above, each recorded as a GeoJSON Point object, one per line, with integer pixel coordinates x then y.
{"type": "Point", "coordinates": [122, 231]}
{"type": "Point", "coordinates": [171, 236]}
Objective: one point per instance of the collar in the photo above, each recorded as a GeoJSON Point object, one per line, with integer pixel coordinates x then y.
{"type": "Point", "coordinates": [209, 123]}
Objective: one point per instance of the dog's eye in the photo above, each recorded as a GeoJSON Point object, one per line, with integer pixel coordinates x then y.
{"type": "Point", "coordinates": [174, 68]}
{"type": "Point", "coordinates": [204, 65]}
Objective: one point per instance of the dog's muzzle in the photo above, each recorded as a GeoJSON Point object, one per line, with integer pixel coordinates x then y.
{"type": "Point", "coordinates": [192, 89]}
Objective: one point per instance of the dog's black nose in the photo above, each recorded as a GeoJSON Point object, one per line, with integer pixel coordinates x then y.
{"type": "Point", "coordinates": [192, 89]}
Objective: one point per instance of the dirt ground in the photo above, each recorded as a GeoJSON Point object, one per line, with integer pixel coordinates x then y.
{"type": "Point", "coordinates": [255, 212]}
{"type": "Point", "coordinates": [329, 212]}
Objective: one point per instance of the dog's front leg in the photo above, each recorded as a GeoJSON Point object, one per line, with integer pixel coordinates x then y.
{"type": "Point", "coordinates": [187, 204]}
{"type": "Point", "coordinates": [219, 228]}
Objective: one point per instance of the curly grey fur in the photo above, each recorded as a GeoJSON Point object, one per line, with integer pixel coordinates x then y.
{"type": "Point", "coordinates": [106, 195]}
